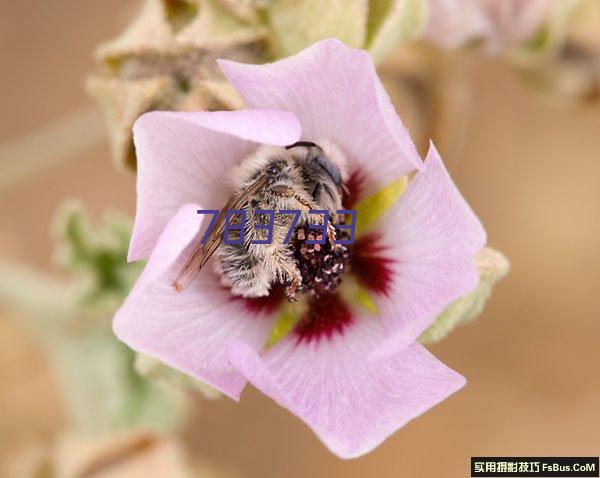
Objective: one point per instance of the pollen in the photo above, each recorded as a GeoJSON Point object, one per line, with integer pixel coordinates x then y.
{"type": "Point", "coordinates": [321, 265]}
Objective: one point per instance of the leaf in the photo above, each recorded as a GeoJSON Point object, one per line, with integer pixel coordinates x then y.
{"type": "Point", "coordinates": [247, 10]}
{"type": "Point", "coordinates": [217, 26]}
{"type": "Point", "coordinates": [552, 35]}
{"type": "Point", "coordinates": [371, 208]}
{"type": "Point", "coordinates": [392, 22]}
{"type": "Point", "coordinates": [297, 24]}
{"type": "Point", "coordinates": [223, 93]}
{"type": "Point", "coordinates": [154, 369]}
{"type": "Point", "coordinates": [492, 266]}
{"type": "Point", "coordinates": [180, 12]}
{"type": "Point", "coordinates": [35, 294]}
{"type": "Point", "coordinates": [96, 255]}
{"type": "Point", "coordinates": [103, 392]}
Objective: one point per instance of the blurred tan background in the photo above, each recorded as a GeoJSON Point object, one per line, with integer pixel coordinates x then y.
{"type": "Point", "coordinates": [529, 167]}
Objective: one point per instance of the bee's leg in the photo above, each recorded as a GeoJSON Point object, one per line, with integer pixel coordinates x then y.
{"type": "Point", "coordinates": [331, 235]}
{"type": "Point", "coordinates": [292, 289]}
{"type": "Point", "coordinates": [284, 191]}
{"type": "Point", "coordinates": [286, 271]}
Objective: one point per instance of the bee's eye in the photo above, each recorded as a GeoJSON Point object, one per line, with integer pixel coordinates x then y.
{"type": "Point", "coordinates": [330, 168]}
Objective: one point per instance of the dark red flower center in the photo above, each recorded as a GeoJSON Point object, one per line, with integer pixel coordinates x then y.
{"type": "Point", "coordinates": [369, 264]}
{"type": "Point", "coordinates": [325, 316]}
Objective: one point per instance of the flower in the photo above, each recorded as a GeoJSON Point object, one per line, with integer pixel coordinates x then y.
{"type": "Point", "coordinates": [349, 364]}
{"type": "Point", "coordinates": [498, 23]}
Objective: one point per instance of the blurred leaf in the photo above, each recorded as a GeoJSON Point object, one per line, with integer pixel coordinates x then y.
{"type": "Point", "coordinates": [72, 319]}
{"type": "Point", "coordinates": [551, 36]}
{"type": "Point", "coordinates": [35, 294]}
{"type": "Point", "coordinates": [180, 12]}
{"type": "Point", "coordinates": [492, 266]}
{"type": "Point", "coordinates": [392, 22]}
{"type": "Point", "coordinates": [297, 24]}
{"type": "Point", "coordinates": [96, 256]}
{"type": "Point", "coordinates": [247, 10]}
{"type": "Point", "coordinates": [154, 369]}
{"type": "Point", "coordinates": [223, 93]}
{"type": "Point", "coordinates": [104, 393]}
{"type": "Point", "coordinates": [219, 26]}
{"type": "Point", "coordinates": [102, 390]}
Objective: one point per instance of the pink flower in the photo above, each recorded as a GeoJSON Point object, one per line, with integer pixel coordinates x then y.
{"type": "Point", "coordinates": [352, 376]}
{"type": "Point", "coordinates": [497, 23]}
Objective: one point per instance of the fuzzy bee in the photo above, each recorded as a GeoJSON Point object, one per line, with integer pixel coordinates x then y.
{"type": "Point", "coordinates": [303, 176]}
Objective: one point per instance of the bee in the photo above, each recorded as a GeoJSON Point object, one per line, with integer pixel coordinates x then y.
{"type": "Point", "coordinates": [303, 176]}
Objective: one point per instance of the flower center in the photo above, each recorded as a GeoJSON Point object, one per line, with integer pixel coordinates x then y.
{"type": "Point", "coordinates": [324, 317]}
{"type": "Point", "coordinates": [326, 311]}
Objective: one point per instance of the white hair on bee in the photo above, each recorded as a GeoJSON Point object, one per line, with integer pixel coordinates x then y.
{"type": "Point", "coordinates": [262, 156]}
{"type": "Point", "coordinates": [258, 160]}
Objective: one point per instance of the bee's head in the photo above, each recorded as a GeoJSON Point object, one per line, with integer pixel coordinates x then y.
{"type": "Point", "coordinates": [322, 178]}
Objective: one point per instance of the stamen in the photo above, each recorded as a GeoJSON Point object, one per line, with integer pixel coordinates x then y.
{"type": "Point", "coordinates": [321, 265]}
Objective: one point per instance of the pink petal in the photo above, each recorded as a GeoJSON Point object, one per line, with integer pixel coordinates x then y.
{"type": "Point", "coordinates": [433, 236]}
{"type": "Point", "coordinates": [336, 94]}
{"type": "Point", "coordinates": [187, 330]}
{"type": "Point", "coordinates": [350, 403]}
{"type": "Point", "coordinates": [184, 157]}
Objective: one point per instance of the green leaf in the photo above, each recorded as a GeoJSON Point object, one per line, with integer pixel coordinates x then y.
{"type": "Point", "coordinates": [103, 391]}
{"type": "Point", "coordinates": [492, 266]}
{"type": "Point", "coordinates": [371, 208]}
{"type": "Point", "coordinates": [297, 24]}
{"type": "Point", "coordinates": [392, 22]}
{"type": "Point", "coordinates": [96, 255]}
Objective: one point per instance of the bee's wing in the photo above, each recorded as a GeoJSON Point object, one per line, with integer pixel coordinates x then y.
{"type": "Point", "coordinates": [203, 252]}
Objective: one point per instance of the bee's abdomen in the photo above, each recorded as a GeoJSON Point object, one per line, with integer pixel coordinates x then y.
{"type": "Point", "coordinates": [242, 272]}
